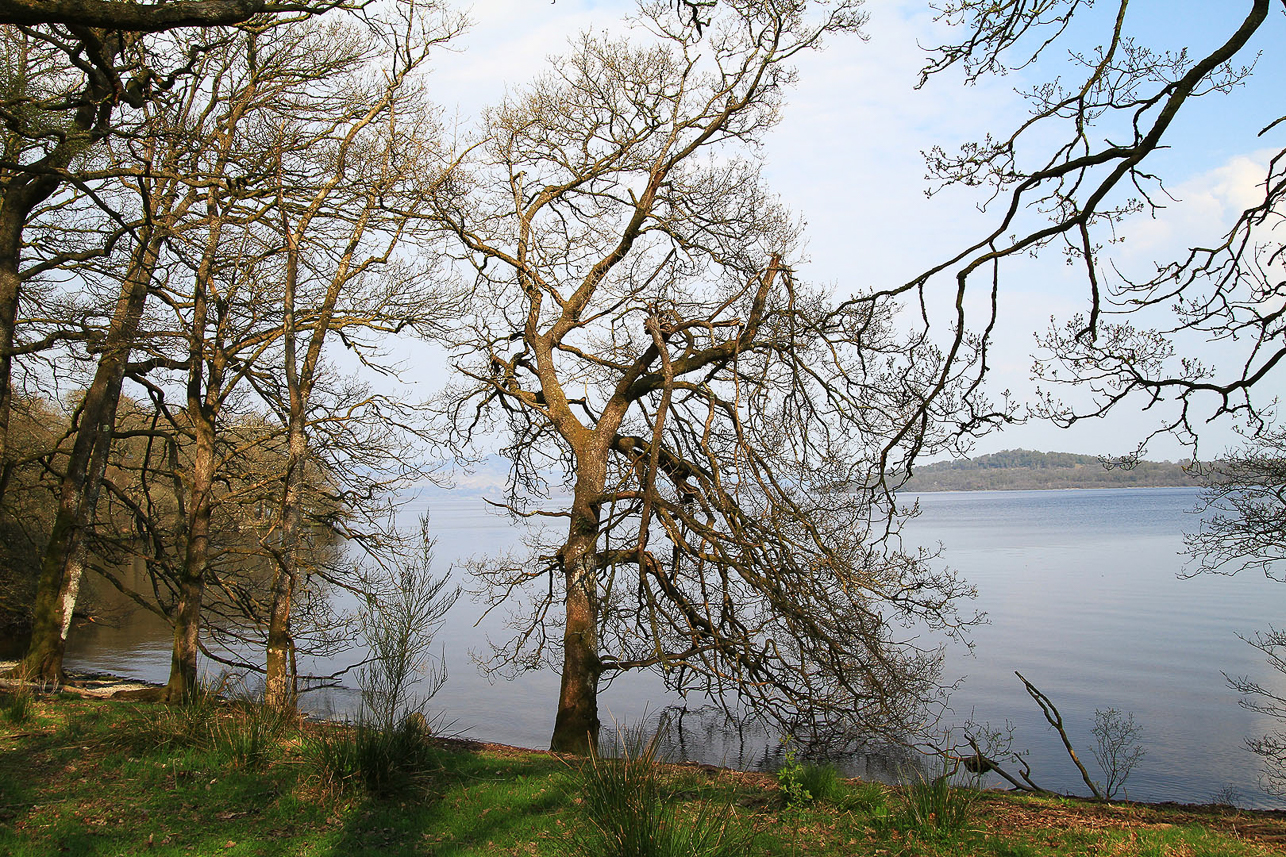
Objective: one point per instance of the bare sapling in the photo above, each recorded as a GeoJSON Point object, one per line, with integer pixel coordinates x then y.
{"type": "Point", "coordinates": [1117, 749]}
{"type": "Point", "coordinates": [404, 608]}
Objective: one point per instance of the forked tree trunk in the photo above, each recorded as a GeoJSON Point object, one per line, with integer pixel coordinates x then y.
{"type": "Point", "coordinates": [61, 567]}
{"type": "Point", "coordinates": [204, 389]}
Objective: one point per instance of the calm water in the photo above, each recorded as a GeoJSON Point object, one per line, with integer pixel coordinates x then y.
{"type": "Point", "coordinates": [1082, 597]}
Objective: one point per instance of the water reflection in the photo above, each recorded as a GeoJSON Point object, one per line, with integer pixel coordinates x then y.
{"type": "Point", "coordinates": [1082, 596]}
{"type": "Point", "coordinates": [711, 735]}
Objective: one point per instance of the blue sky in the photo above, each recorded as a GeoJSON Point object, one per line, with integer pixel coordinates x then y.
{"type": "Point", "coordinates": [847, 159]}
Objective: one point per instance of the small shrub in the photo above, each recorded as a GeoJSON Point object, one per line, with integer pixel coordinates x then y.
{"type": "Point", "coordinates": [385, 752]}
{"type": "Point", "coordinates": [630, 812]}
{"type": "Point", "coordinates": [403, 609]}
{"type": "Point", "coordinates": [790, 778]}
{"type": "Point", "coordinates": [1228, 796]}
{"type": "Point", "coordinates": [803, 783]}
{"type": "Point", "coordinates": [933, 807]}
{"type": "Point", "coordinates": [1117, 749]}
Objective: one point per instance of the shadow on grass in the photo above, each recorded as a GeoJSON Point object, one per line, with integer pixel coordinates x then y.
{"type": "Point", "coordinates": [84, 784]}
{"type": "Point", "coordinates": [470, 804]}
{"type": "Point", "coordinates": [18, 792]}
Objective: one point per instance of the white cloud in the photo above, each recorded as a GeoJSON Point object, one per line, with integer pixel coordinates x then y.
{"type": "Point", "coordinates": [1205, 207]}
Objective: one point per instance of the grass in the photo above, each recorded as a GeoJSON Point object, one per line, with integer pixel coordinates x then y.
{"type": "Point", "coordinates": [933, 807]}
{"type": "Point", "coordinates": [384, 762]}
{"type": "Point", "coordinates": [632, 807]}
{"type": "Point", "coordinates": [76, 777]}
{"type": "Point", "coordinates": [17, 705]}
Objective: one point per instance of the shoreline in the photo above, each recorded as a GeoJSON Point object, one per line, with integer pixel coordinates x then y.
{"type": "Point", "coordinates": [106, 686]}
{"type": "Point", "coordinates": [99, 685]}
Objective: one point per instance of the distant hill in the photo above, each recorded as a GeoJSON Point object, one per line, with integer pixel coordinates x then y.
{"type": "Point", "coordinates": [1023, 469]}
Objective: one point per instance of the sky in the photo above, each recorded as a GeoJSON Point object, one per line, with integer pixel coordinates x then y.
{"type": "Point", "coordinates": [847, 159]}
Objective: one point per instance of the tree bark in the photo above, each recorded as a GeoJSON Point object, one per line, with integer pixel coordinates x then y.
{"type": "Point", "coordinates": [577, 724]}
{"type": "Point", "coordinates": [138, 17]}
{"type": "Point", "coordinates": [187, 615]}
{"type": "Point", "coordinates": [61, 567]}
{"type": "Point", "coordinates": [10, 287]}
{"type": "Point", "coordinates": [279, 680]}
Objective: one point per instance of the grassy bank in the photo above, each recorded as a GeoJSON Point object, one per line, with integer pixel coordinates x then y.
{"type": "Point", "coordinates": [107, 777]}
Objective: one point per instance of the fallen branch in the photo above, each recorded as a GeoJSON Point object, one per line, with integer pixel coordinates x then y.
{"type": "Point", "coordinates": [1056, 720]}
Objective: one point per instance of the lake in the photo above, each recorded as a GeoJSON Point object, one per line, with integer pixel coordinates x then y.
{"type": "Point", "coordinates": [1082, 597]}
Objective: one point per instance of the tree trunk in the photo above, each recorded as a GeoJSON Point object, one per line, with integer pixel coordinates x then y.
{"type": "Point", "coordinates": [187, 615]}
{"type": "Point", "coordinates": [61, 566]}
{"type": "Point", "coordinates": [576, 727]}
{"type": "Point", "coordinates": [15, 206]}
{"type": "Point", "coordinates": [279, 679]}
{"type": "Point", "coordinates": [10, 284]}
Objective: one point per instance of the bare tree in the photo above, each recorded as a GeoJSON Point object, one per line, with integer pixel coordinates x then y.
{"type": "Point", "coordinates": [1110, 111]}
{"type": "Point", "coordinates": [354, 172]}
{"type": "Point", "coordinates": [638, 330]}
{"type": "Point", "coordinates": [68, 66]}
{"type": "Point", "coordinates": [225, 317]}
{"type": "Point", "coordinates": [212, 164]}
{"type": "Point", "coordinates": [165, 199]}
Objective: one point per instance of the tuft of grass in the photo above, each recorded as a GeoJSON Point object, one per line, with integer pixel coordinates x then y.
{"type": "Point", "coordinates": [241, 730]}
{"type": "Point", "coordinates": [869, 801]}
{"type": "Point", "coordinates": [383, 762]}
{"type": "Point", "coordinates": [192, 724]}
{"type": "Point", "coordinates": [250, 733]}
{"type": "Point", "coordinates": [933, 807]}
{"type": "Point", "coordinates": [822, 781]}
{"type": "Point", "coordinates": [18, 704]}
{"type": "Point", "coordinates": [330, 753]}
{"type": "Point", "coordinates": [629, 810]}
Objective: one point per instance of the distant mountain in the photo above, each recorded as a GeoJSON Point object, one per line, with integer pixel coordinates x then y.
{"type": "Point", "coordinates": [1024, 469]}
{"type": "Point", "coordinates": [1010, 470]}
